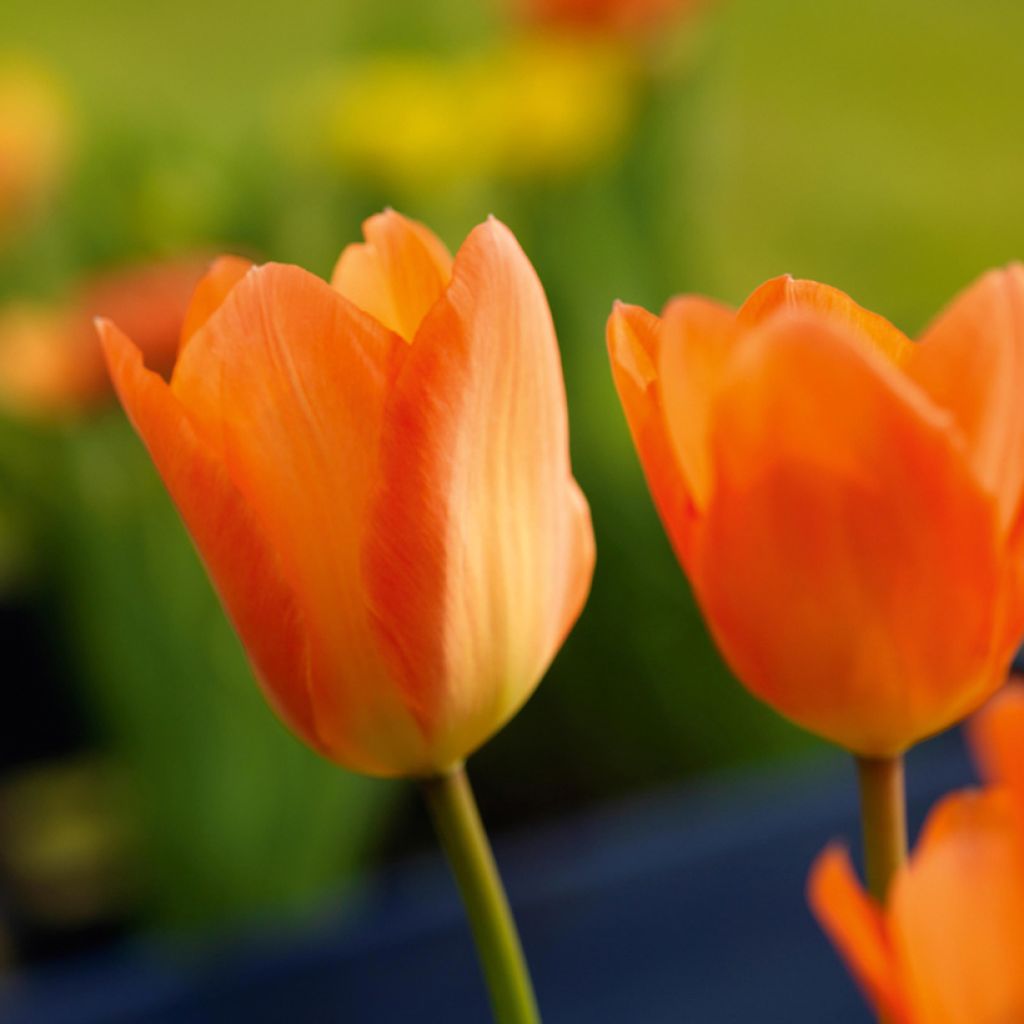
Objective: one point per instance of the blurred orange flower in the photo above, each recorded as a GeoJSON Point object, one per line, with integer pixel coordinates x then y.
{"type": "Point", "coordinates": [615, 15]}
{"type": "Point", "coordinates": [50, 362]}
{"type": "Point", "coordinates": [846, 504]}
{"type": "Point", "coordinates": [377, 476]}
{"type": "Point", "coordinates": [948, 948]}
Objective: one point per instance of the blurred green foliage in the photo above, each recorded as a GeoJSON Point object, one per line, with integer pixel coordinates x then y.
{"type": "Point", "coordinates": [870, 144]}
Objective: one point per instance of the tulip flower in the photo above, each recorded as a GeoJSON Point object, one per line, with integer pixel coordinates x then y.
{"type": "Point", "coordinates": [376, 473]}
{"type": "Point", "coordinates": [948, 944]}
{"type": "Point", "coordinates": [845, 503]}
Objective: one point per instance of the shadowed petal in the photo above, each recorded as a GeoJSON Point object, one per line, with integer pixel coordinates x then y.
{"type": "Point", "coordinates": [849, 563]}
{"type": "Point", "coordinates": [633, 349]}
{"type": "Point", "coordinates": [224, 273]}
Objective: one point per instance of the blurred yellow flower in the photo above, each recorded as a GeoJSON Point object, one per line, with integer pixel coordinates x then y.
{"type": "Point", "coordinates": [35, 131]}
{"type": "Point", "coordinates": [529, 107]}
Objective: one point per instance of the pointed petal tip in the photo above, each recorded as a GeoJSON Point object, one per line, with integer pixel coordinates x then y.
{"type": "Point", "coordinates": [831, 864]}
{"type": "Point", "coordinates": [387, 215]}
{"type": "Point", "coordinates": [116, 345]}
{"type": "Point", "coordinates": [613, 325]}
{"type": "Point", "coordinates": [493, 228]}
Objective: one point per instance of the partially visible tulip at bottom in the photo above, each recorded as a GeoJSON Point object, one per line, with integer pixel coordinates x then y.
{"type": "Point", "coordinates": [376, 473]}
{"type": "Point", "coordinates": [947, 947]}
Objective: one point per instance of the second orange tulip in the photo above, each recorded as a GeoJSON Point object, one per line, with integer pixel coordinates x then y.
{"type": "Point", "coordinates": [845, 502]}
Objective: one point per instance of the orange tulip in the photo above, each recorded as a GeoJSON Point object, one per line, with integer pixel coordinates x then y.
{"type": "Point", "coordinates": [377, 477]}
{"type": "Point", "coordinates": [50, 362]}
{"type": "Point", "coordinates": [846, 503]}
{"type": "Point", "coordinates": [948, 947]}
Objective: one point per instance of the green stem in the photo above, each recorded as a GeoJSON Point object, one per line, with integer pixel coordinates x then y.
{"type": "Point", "coordinates": [883, 811]}
{"type": "Point", "coordinates": [457, 821]}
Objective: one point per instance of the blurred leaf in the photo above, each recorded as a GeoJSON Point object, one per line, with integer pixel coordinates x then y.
{"type": "Point", "coordinates": [240, 818]}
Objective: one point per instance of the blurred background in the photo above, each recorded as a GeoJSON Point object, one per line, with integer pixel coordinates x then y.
{"type": "Point", "coordinates": [638, 149]}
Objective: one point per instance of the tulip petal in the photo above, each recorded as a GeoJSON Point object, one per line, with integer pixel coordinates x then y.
{"type": "Point", "coordinates": [484, 553]}
{"type": "Point", "coordinates": [856, 926]}
{"type": "Point", "coordinates": [287, 380]}
{"type": "Point", "coordinates": [633, 350]}
{"type": "Point", "coordinates": [239, 558]}
{"type": "Point", "coordinates": [698, 338]}
{"type": "Point", "coordinates": [793, 294]}
{"type": "Point", "coordinates": [971, 362]}
{"type": "Point", "coordinates": [397, 274]}
{"type": "Point", "coordinates": [997, 739]}
{"type": "Point", "coordinates": [224, 273]}
{"type": "Point", "coordinates": [957, 915]}
{"type": "Point", "coordinates": [848, 559]}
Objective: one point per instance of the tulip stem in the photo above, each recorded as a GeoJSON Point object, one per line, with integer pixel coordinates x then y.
{"type": "Point", "coordinates": [883, 811]}
{"type": "Point", "coordinates": [461, 832]}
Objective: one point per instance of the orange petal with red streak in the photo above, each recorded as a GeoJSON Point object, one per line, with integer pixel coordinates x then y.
{"type": "Point", "coordinates": [287, 381]}
{"type": "Point", "coordinates": [483, 552]}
